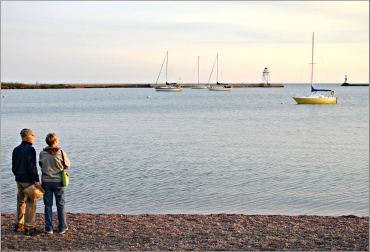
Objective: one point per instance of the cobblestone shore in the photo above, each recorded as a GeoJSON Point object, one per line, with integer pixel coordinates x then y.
{"type": "Point", "coordinates": [193, 232]}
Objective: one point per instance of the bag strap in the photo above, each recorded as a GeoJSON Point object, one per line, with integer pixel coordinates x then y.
{"type": "Point", "coordinates": [64, 164]}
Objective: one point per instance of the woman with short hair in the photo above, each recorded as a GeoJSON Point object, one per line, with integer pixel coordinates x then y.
{"type": "Point", "coordinates": [53, 160]}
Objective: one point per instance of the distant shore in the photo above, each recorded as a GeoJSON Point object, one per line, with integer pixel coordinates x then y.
{"type": "Point", "coordinates": [63, 86]}
{"type": "Point", "coordinates": [194, 232]}
{"type": "Point", "coordinates": [14, 85]}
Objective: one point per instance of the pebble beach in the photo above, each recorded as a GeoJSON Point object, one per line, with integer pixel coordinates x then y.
{"type": "Point", "coordinates": [193, 232]}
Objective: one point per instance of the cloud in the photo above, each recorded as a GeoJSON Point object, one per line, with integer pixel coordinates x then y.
{"type": "Point", "coordinates": [135, 35]}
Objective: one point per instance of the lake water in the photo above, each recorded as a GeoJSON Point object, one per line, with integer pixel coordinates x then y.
{"type": "Point", "coordinates": [250, 151]}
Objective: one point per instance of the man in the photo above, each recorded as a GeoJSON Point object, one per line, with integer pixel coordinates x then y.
{"type": "Point", "coordinates": [25, 171]}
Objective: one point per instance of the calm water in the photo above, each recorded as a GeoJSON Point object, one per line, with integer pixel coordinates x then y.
{"type": "Point", "coordinates": [250, 151]}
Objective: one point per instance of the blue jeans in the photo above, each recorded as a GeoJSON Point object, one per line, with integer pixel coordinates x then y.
{"type": "Point", "coordinates": [57, 189]}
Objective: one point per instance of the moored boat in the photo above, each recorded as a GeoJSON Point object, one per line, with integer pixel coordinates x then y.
{"type": "Point", "coordinates": [198, 86]}
{"type": "Point", "coordinates": [314, 97]}
{"type": "Point", "coordinates": [218, 86]}
{"type": "Point", "coordinates": [169, 87]}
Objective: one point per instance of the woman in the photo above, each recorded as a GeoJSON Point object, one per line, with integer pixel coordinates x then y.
{"type": "Point", "coordinates": [52, 161]}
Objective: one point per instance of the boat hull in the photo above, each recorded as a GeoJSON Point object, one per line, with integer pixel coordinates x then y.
{"type": "Point", "coordinates": [169, 89]}
{"type": "Point", "coordinates": [219, 89]}
{"type": "Point", "coordinates": [315, 100]}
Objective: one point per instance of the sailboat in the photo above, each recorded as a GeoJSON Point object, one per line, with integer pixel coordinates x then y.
{"type": "Point", "coordinates": [169, 87]}
{"type": "Point", "coordinates": [199, 86]}
{"type": "Point", "coordinates": [314, 97]}
{"type": "Point", "coordinates": [218, 86]}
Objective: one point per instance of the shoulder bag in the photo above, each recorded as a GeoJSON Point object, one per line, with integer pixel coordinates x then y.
{"type": "Point", "coordinates": [65, 176]}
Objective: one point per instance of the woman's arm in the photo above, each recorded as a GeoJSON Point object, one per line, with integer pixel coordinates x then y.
{"type": "Point", "coordinates": [67, 163]}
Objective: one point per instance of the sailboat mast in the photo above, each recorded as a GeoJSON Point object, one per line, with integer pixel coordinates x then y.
{"type": "Point", "coordinates": [198, 70]}
{"type": "Point", "coordinates": [313, 38]}
{"type": "Point", "coordinates": [217, 69]}
{"type": "Point", "coordinates": [166, 65]}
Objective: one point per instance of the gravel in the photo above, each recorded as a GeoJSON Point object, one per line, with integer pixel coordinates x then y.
{"type": "Point", "coordinates": [193, 232]}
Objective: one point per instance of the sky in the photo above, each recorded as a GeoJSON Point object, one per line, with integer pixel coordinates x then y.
{"type": "Point", "coordinates": [126, 42]}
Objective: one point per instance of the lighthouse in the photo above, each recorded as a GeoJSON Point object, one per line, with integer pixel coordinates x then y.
{"type": "Point", "coordinates": [266, 76]}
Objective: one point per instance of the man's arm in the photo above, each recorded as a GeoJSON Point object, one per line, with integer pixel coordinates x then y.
{"type": "Point", "coordinates": [13, 162]}
{"type": "Point", "coordinates": [35, 174]}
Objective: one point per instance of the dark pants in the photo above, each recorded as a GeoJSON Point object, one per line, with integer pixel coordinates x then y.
{"type": "Point", "coordinates": [56, 189]}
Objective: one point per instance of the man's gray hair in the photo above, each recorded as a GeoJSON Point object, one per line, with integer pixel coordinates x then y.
{"type": "Point", "coordinates": [26, 133]}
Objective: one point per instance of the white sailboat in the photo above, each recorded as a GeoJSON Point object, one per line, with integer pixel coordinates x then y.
{"type": "Point", "coordinates": [314, 97]}
{"type": "Point", "coordinates": [169, 87]}
{"type": "Point", "coordinates": [199, 86]}
{"type": "Point", "coordinates": [218, 86]}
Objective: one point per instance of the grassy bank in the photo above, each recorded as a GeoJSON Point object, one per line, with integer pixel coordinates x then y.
{"type": "Point", "coordinates": [14, 85]}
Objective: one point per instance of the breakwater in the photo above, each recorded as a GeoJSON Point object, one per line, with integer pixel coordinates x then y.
{"type": "Point", "coordinates": [236, 85]}
{"type": "Point", "coordinates": [355, 84]}
{"type": "Point", "coordinates": [7, 85]}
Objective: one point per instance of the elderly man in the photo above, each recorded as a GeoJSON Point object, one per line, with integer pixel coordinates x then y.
{"type": "Point", "coordinates": [25, 171]}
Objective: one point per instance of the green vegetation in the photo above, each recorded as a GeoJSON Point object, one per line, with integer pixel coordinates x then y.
{"type": "Point", "coordinates": [17, 85]}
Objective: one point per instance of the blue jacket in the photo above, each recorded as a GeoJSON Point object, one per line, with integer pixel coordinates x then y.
{"type": "Point", "coordinates": [24, 163]}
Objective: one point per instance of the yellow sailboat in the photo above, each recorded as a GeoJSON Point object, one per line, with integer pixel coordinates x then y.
{"type": "Point", "coordinates": [314, 97]}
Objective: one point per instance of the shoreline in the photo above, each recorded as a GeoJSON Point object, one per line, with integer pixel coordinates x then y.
{"type": "Point", "coordinates": [6, 85]}
{"type": "Point", "coordinates": [19, 85]}
{"type": "Point", "coordinates": [193, 232]}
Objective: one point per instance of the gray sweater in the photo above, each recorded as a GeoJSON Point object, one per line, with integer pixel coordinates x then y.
{"type": "Point", "coordinates": [51, 163]}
